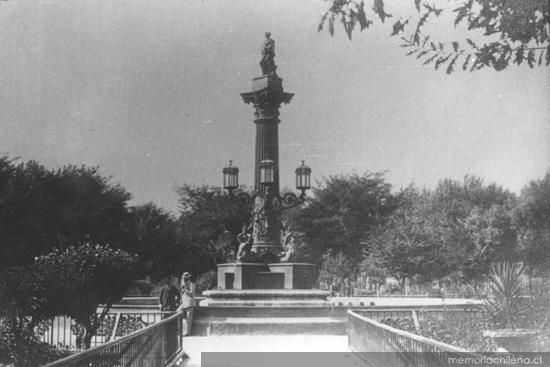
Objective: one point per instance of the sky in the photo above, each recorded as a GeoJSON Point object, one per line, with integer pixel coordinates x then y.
{"type": "Point", "coordinates": [149, 90]}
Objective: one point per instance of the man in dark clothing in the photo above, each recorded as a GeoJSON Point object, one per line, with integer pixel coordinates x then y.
{"type": "Point", "coordinates": [169, 297]}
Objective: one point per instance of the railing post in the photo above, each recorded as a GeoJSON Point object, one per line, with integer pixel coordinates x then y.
{"type": "Point", "coordinates": [115, 327]}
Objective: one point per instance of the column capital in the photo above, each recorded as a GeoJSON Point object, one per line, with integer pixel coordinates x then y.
{"type": "Point", "coordinates": [267, 95]}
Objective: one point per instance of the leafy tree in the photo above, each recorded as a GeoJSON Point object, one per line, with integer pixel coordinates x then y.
{"type": "Point", "coordinates": [41, 208]}
{"type": "Point", "coordinates": [408, 243]}
{"type": "Point", "coordinates": [513, 31]}
{"type": "Point", "coordinates": [531, 217]}
{"type": "Point", "coordinates": [469, 220]}
{"type": "Point", "coordinates": [80, 278]}
{"type": "Point", "coordinates": [457, 228]}
{"type": "Point", "coordinates": [23, 298]}
{"type": "Point", "coordinates": [374, 264]}
{"type": "Point", "coordinates": [403, 249]}
{"type": "Point", "coordinates": [335, 266]}
{"type": "Point", "coordinates": [491, 236]}
{"type": "Point", "coordinates": [211, 221]}
{"type": "Point", "coordinates": [22, 311]}
{"type": "Point", "coordinates": [155, 236]}
{"type": "Point", "coordinates": [343, 211]}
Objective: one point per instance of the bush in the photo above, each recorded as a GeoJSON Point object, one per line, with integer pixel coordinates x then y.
{"type": "Point", "coordinates": [81, 278]}
{"type": "Point", "coordinates": [22, 313]}
{"type": "Point", "coordinates": [538, 318]}
{"type": "Point", "coordinates": [25, 350]}
{"type": "Point", "coordinates": [505, 304]}
{"type": "Point", "coordinates": [464, 330]}
{"type": "Point", "coordinates": [140, 288]}
{"type": "Point", "coordinates": [206, 281]}
{"type": "Point", "coordinates": [401, 324]}
{"type": "Point", "coordinates": [460, 329]}
{"type": "Point", "coordinates": [391, 287]}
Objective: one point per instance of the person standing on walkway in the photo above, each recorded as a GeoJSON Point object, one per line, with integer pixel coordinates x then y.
{"type": "Point", "coordinates": [169, 297]}
{"type": "Point", "coordinates": [187, 294]}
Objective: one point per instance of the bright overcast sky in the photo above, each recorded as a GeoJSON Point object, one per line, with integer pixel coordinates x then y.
{"type": "Point", "coordinates": [150, 91]}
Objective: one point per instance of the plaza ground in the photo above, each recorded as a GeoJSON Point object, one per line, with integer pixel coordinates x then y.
{"type": "Point", "coordinates": [316, 350]}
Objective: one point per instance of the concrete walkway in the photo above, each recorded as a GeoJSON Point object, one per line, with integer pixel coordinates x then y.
{"type": "Point", "coordinates": [312, 350]}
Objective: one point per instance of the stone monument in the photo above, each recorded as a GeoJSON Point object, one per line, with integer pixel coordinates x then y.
{"type": "Point", "coordinates": [264, 273]}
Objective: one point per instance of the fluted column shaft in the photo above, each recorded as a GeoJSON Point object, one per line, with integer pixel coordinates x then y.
{"type": "Point", "coordinates": [266, 96]}
{"type": "Point", "coordinates": [267, 147]}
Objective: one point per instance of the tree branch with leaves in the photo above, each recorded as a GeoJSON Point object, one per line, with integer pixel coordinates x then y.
{"type": "Point", "coordinates": [513, 32]}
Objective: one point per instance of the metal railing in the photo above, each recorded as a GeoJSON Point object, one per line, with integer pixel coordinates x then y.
{"type": "Point", "coordinates": [382, 345]}
{"type": "Point", "coordinates": [60, 331]}
{"type": "Point", "coordinates": [156, 345]}
{"type": "Point", "coordinates": [374, 300]}
{"type": "Point", "coordinates": [421, 312]}
{"type": "Point", "coordinates": [360, 292]}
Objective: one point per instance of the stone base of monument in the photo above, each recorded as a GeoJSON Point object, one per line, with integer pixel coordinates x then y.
{"type": "Point", "coordinates": [273, 285]}
{"type": "Point", "coordinates": [262, 320]}
{"type": "Point", "coordinates": [267, 276]}
{"type": "Point", "coordinates": [277, 298]}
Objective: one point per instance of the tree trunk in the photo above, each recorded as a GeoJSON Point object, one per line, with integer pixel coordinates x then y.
{"type": "Point", "coordinates": [88, 334]}
{"type": "Point", "coordinates": [86, 331]}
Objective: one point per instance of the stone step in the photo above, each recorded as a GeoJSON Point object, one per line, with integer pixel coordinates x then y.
{"type": "Point", "coordinates": [262, 303]}
{"type": "Point", "coordinates": [204, 312]}
{"type": "Point", "coordinates": [270, 326]}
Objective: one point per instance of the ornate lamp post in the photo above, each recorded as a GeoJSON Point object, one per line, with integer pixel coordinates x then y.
{"type": "Point", "coordinates": [266, 96]}
{"type": "Point", "coordinates": [268, 205]}
{"type": "Point", "coordinates": [302, 178]}
{"type": "Point", "coordinates": [230, 177]}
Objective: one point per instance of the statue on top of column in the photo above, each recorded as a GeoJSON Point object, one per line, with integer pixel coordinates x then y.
{"type": "Point", "coordinates": [267, 63]}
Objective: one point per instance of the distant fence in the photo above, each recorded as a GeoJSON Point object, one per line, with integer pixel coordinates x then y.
{"type": "Point", "coordinates": [412, 312]}
{"type": "Point", "coordinates": [360, 292]}
{"type": "Point", "coordinates": [382, 345]}
{"type": "Point", "coordinates": [404, 303]}
{"type": "Point", "coordinates": [60, 331]}
{"type": "Point", "coordinates": [156, 345]}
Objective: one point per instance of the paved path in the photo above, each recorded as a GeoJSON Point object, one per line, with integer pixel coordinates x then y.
{"type": "Point", "coordinates": [195, 345]}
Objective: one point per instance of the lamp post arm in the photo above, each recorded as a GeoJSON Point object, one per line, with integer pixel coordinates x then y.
{"type": "Point", "coordinates": [288, 200]}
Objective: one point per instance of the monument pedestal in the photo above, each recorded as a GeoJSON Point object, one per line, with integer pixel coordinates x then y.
{"type": "Point", "coordinates": [267, 276]}
{"type": "Point", "coordinates": [240, 275]}
{"type": "Point", "coordinates": [274, 285]}
{"type": "Point", "coordinates": [274, 298]}
{"type": "Point", "coordinates": [296, 275]}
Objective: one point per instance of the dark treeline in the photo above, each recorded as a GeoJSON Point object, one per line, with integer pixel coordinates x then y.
{"type": "Point", "coordinates": [69, 241]}
{"type": "Point", "coordinates": [458, 228]}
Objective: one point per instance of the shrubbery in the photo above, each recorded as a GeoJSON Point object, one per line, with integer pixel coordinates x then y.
{"type": "Point", "coordinates": [506, 308]}
{"type": "Point", "coordinates": [460, 329]}
{"type": "Point", "coordinates": [406, 324]}
{"type": "Point", "coordinates": [206, 281]}
{"type": "Point", "coordinates": [141, 288]}
{"type": "Point", "coordinates": [72, 282]}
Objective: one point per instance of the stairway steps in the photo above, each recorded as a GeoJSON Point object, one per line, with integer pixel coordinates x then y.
{"type": "Point", "coordinates": [260, 312]}
{"type": "Point", "coordinates": [270, 325]}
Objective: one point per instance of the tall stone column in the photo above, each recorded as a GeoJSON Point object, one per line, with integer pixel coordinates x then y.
{"type": "Point", "coordinates": [266, 96]}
